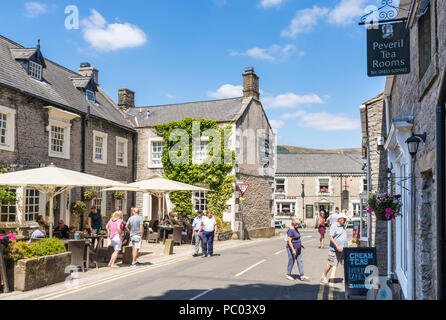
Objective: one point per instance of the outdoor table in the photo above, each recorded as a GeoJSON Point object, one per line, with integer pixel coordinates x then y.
{"type": "Point", "coordinates": [86, 248]}
{"type": "Point", "coordinates": [99, 238]}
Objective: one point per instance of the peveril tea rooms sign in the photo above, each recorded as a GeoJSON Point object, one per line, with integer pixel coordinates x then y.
{"type": "Point", "coordinates": [388, 49]}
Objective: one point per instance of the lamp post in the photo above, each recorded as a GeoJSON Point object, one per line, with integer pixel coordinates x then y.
{"type": "Point", "coordinates": [413, 143]}
{"type": "Point", "coordinates": [303, 201]}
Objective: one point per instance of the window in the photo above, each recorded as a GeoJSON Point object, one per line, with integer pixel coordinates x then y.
{"type": "Point", "coordinates": [35, 70]}
{"type": "Point", "coordinates": [309, 211]}
{"type": "Point", "coordinates": [121, 151]}
{"type": "Point", "coordinates": [156, 153]}
{"type": "Point", "coordinates": [7, 128]}
{"type": "Point", "coordinates": [200, 201]}
{"type": "Point", "coordinates": [355, 209]}
{"type": "Point", "coordinates": [100, 201]}
{"type": "Point", "coordinates": [57, 139]}
{"type": "Point", "coordinates": [90, 95]}
{"type": "Point", "coordinates": [364, 217]}
{"type": "Point", "coordinates": [8, 212]}
{"type": "Point", "coordinates": [364, 185]}
{"type": "Point", "coordinates": [424, 39]}
{"type": "Point", "coordinates": [280, 186]}
{"type": "Point", "coordinates": [32, 202]}
{"type": "Point", "coordinates": [324, 185]}
{"type": "Point", "coordinates": [200, 152]}
{"type": "Point", "coordinates": [99, 147]}
{"type": "Point", "coordinates": [285, 207]}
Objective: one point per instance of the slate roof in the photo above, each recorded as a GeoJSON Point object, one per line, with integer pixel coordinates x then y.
{"type": "Point", "coordinates": [219, 110]}
{"type": "Point", "coordinates": [57, 86]}
{"type": "Point", "coordinates": [320, 163]}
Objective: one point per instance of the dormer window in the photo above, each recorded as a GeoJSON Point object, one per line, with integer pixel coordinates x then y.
{"type": "Point", "coordinates": [35, 70]}
{"type": "Point", "coordinates": [90, 95]}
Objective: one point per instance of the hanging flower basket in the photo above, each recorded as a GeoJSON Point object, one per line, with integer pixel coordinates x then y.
{"type": "Point", "coordinates": [90, 194]}
{"type": "Point", "coordinates": [119, 195]}
{"type": "Point", "coordinates": [386, 207]}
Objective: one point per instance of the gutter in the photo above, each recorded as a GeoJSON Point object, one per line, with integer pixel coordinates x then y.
{"type": "Point", "coordinates": [440, 177]}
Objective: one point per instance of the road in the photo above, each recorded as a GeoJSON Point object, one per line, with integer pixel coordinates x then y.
{"type": "Point", "coordinates": [251, 272]}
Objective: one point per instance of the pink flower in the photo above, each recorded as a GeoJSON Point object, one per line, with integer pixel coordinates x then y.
{"type": "Point", "coordinates": [11, 236]}
{"type": "Point", "coordinates": [1, 237]}
{"type": "Point", "coordinates": [388, 211]}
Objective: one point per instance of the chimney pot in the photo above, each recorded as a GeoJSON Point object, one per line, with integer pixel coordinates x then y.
{"type": "Point", "coordinates": [250, 84]}
{"type": "Point", "coordinates": [126, 98]}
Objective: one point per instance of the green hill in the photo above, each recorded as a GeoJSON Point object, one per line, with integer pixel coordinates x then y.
{"type": "Point", "coordinates": [296, 150]}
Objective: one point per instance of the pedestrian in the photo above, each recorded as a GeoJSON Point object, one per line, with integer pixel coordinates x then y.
{"type": "Point", "coordinates": [135, 225]}
{"type": "Point", "coordinates": [338, 241]}
{"type": "Point", "coordinates": [209, 228]}
{"type": "Point", "coordinates": [114, 228]}
{"type": "Point", "coordinates": [294, 249]}
{"type": "Point", "coordinates": [334, 218]}
{"type": "Point", "coordinates": [94, 220]}
{"type": "Point", "coordinates": [196, 234]}
{"type": "Point", "coordinates": [321, 228]}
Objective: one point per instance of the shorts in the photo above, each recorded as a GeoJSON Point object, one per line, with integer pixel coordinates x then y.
{"type": "Point", "coordinates": [334, 258]}
{"type": "Point", "coordinates": [116, 242]}
{"type": "Point", "coordinates": [136, 241]}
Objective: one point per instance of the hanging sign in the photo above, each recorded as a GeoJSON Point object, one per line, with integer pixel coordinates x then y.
{"type": "Point", "coordinates": [388, 49]}
{"type": "Point", "coordinates": [243, 188]}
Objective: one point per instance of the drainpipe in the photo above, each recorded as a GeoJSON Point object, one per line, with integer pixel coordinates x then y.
{"type": "Point", "coordinates": [389, 191]}
{"type": "Point", "coordinates": [134, 155]}
{"type": "Point", "coordinates": [441, 208]}
{"type": "Point", "coordinates": [369, 189]}
{"type": "Point", "coordinates": [412, 235]}
{"type": "Point", "coordinates": [83, 140]}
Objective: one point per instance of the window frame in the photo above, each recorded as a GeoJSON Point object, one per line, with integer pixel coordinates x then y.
{"type": "Point", "coordinates": [121, 140]}
{"type": "Point", "coordinates": [318, 186]}
{"type": "Point", "coordinates": [65, 154]}
{"type": "Point", "coordinates": [195, 152]}
{"type": "Point", "coordinates": [37, 197]}
{"type": "Point", "coordinates": [284, 186]}
{"type": "Point", "coordinates": [88, 97]}
{"type": "Point", "coordinates": [35, 70]}
{"type": "Point", "coordinates": [364, 234]}
{"type": "Point", "coordinates": [8, 214]}
{"type": "Point", "coordinates": [104, 153]}
{"type": "Point", "coordinates": [152, 165]}
{"type": "Point", "coordinates": [425, 41]}
{"type": "Point", "coordinates": [200, 205]}
{"type": "Point", "coordinates": [10, 128]}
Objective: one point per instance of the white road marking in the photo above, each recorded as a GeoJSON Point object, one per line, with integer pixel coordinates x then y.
{"type": "Point", "coordinates": [201, 294]}
{"type": "Point", "coordinates": [253, 266]}
{"type": "Point", "coordinates": [279, 252]}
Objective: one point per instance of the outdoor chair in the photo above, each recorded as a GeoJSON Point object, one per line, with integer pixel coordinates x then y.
{"type": "Point", "coordinates": [176, 235]}
{"type": "Point", "coordinates": [101, 255]}
{"type": "Point", "coordinates": [77, 248]}
{"type": "Point", "coordinates": [152, 236]}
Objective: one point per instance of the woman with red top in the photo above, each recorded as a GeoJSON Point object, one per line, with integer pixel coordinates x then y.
{"type": "Point", "coordinates": [321, 228]}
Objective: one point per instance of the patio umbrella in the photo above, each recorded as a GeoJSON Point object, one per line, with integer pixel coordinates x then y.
{"type": "Point", "coordinates": [53, 181]}
{"type": "Point", "coordinates": [158, 186]}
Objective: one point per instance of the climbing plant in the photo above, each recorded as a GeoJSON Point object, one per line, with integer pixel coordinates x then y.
{"type": "Point", "coordinates": [7, 196]}
{"type": "Point", "coordinates": [178, 139]}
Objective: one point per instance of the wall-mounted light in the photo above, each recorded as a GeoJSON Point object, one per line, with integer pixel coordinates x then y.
{"type": "Point", "coordinates": [413, 143]}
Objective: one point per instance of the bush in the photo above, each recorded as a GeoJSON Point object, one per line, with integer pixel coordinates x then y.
{"type": "Point", "coordinates": [219, 223]}
{"type": "Point", "coordinates": [45, 247]}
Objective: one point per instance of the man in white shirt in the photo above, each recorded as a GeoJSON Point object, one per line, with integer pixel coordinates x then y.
{"type": "Point", "coordinates": [334, 218]}
{"type": "Point", "coordinates": [196, 224]}
{"type": "Point", "coordinates": [209, 228]}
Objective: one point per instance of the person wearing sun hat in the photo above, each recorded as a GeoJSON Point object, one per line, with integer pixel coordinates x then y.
{"type": "Point", "coordinates": [338, 241]}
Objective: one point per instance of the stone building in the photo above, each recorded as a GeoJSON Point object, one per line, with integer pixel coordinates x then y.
{"type": "Point", "coordinates": [373, 123]}
{"type": "Point", "coordinates": [414, 104]}
{"type": "Point", "coordinates": [306, 183]}
{"type": "Point", "coordinates": [252, 139]}
{"type": "Point", "coordinates": [50, 114]}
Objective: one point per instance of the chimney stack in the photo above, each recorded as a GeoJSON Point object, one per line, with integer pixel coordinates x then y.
{"type": "Point", "coordinates": [87, 70]}
{"type": "Point", "coordinates": [250, 84]}
{"type": "Point", "coordinates": [126, 98]}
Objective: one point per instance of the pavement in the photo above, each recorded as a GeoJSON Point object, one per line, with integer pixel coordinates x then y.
{"type": "Point", "coordinates": [241, 270]}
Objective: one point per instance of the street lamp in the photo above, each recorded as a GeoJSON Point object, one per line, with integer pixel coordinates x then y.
{"type": "Point", "coordinates": [413, 143]}
{"type": "Point", "coordinates": [303, 201]}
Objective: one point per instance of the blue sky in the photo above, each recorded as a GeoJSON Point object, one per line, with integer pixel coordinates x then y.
{"type": "Point", "coordinates": [310, 55]}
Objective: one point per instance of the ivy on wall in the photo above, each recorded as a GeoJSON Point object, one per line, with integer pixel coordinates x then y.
{"type": "Point", "coordinates": [7, 196]}
{"type": "Point", "coordinates": [212, 173]}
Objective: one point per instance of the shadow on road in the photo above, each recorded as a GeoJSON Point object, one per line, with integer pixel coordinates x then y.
{"type": "Point", "coordinates": [298, 291]}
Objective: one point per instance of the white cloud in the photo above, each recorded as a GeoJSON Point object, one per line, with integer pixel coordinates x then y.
{"type": "Point", "coordinates": [111, 37]}
{"type": "Point", "coordinates": [296, 114]}
{"type": "Point", "coordinates": [226, 91]}
{"type": "Point", "coordinates": [273, 53]}
{"type": "Point", "coordinates": [289, 100]}
{"type": "Point", "coordinates": [276, 124]}
{"type": "Point", "coordinates": [323, 121]}
{"type": "Point", "coordinates": [346, 12]}
{"type": "Point", "coordinates": [304, 21]}
{"type": "Point", "coordinates": [34, 9]}
{"type": "Point", "coordinates": [270, 3]}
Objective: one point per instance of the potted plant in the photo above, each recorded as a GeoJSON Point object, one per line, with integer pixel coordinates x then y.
{"type": "Point", "coordinates": [78, 207]}
{"type": "Point", "coordinates": [90, 194]}
{"type": "Point", "coordinates": [119, 195]}
{"type": "Point", "coordinates": [385, 206]}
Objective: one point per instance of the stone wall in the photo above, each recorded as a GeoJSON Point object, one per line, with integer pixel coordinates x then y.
{"type": "Point", "coordinates": [32, 143]}
{"type": "Point", "coordinates": [415, 95]}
